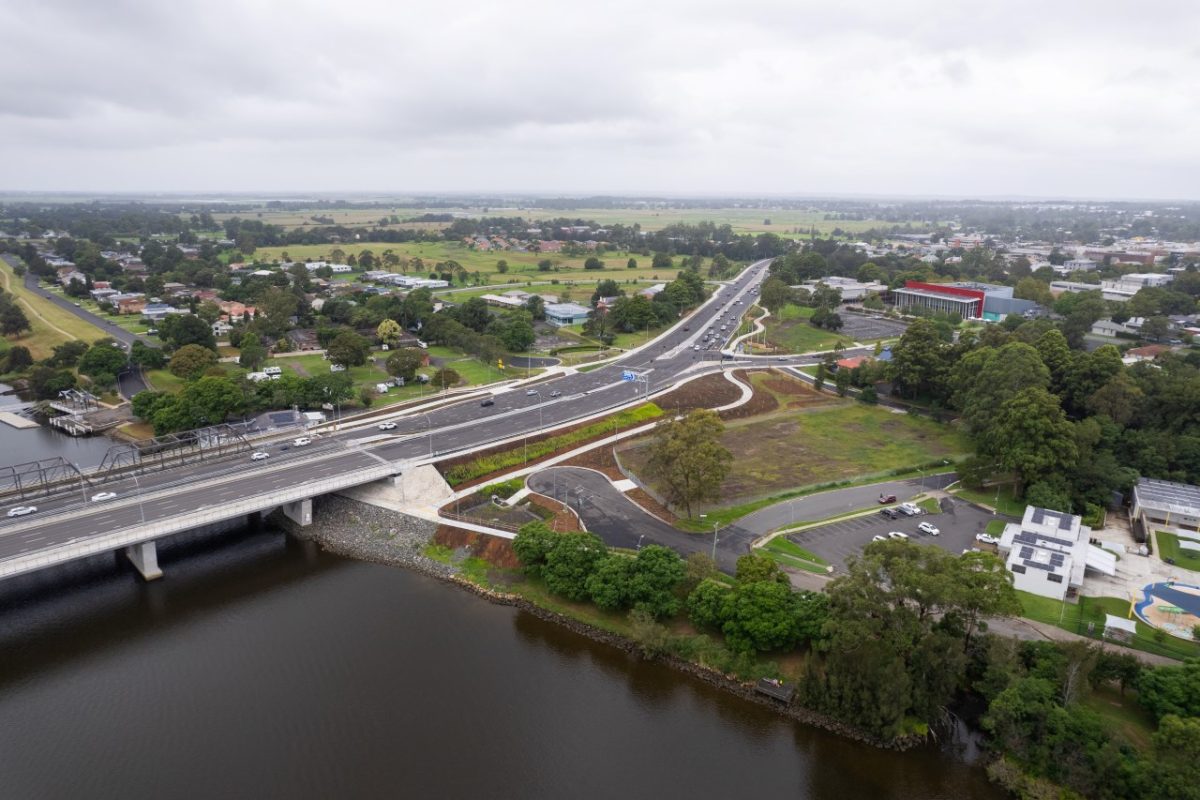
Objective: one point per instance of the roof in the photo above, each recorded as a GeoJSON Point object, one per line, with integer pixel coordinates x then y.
{"type": "Point", "coordinates": [566, 309]}
{"type": "Point", "coordinates": [1121, 624]}
{"type": "Point", "coordinates": [1179, 498]}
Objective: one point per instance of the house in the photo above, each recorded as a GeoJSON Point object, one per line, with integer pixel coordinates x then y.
{"type": "Point", "coordinates": [155, 312]}
{"type": "Point", "coordinates": [221, 328]}
{"type": "Point", "coordinates": [1147, 353]}
{"type": "Point", "coordinates": [852, 363]}
{"type": "Point", "coordinates": [303, 339]}
{"type": "Point", "coordinates": [1106, 327]}
{"type": "Point", "coordinates": [128, 304]}
{"type": "Point", "coordinates": [1048, 553]}
{"type": "Point", "coordinates": [1167, 505]}
{"type": "Point", "coordinates": [102, 295]}
{"type": "Point", "coordinates": [560, 314]}
{"type": "Point", "coordinates": [69, 275]}
{"type": "Point", "coordinates": [650, 291]}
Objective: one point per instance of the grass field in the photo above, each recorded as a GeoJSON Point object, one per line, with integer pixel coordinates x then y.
{"type": "Point", "coordinates": [789, 554]}
{"type": "Point", "coordinates": [1003, 498]}
{"type": "Point", "coordinates": [830, 442]}
{"type": "Point", "coordinates": [790, 331]}
{"type": "Point", "coordinates": [1168, 547]}
{"type": "Point", "coordinates": [1074, 617]}
{"type": "Point", "coordinates": [51, 325]}
{"type": "Point", "coordinates": [522, 267]}
{"type": "Point", "coordinates": [1123, 713]}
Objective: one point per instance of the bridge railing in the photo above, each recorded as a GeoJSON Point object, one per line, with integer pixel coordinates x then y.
{"type": "Point", "coordinates": [147, 531]}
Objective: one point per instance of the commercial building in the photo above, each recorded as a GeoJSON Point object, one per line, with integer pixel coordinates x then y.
{"type": "Point", "coordinates": [1048, 553]}
{"type": "Point", "coordinates": [1167, 506]}
{"type": "Point", "coordinates": [851, 289]}
{"type": "Point", "coordinates": [940, 298]}
{"type": "Point", "coordinates": [561, 314]}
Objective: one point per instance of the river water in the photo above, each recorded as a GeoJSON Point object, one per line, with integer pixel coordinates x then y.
{"type": "Point", "coordinates": [262, 668]}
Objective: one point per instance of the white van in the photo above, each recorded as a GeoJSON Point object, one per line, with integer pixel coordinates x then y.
{"type": "Point", "coordinates": [272, 371]}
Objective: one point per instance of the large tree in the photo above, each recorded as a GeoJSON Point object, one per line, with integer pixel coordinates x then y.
{"type": "Point", "coordinates": [349, 349]}
{"type": "Point", "coordinates": [688, 460]}
{"type": "Point", "coordinates": [405, 362]}
{"type": "Point", "coordinates": [1031, 436]}
{"type": "Point", "coordinates": [191, 361]}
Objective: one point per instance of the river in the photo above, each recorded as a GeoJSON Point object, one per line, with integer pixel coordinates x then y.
{"type": "Point", "coordinates": [261, 667]}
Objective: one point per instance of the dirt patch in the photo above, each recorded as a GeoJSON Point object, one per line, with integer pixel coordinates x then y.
{"type": "Point", "coordinates": [492, 549]}
{"type": "Point", "coordinates": [646, 501]}
{"type": "Point", "coordinates": [760, 402]}
{"type": "Point", "coordinates": [707, 392]}
{"type": "Point", "coordinates": [601, 459]}
{"type": "Point", "coordinates": [563, 520]}
{"type": "Point", "coordinates": [797, 393]}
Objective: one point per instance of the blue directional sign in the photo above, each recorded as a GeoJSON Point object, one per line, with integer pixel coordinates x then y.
{"type": "Point", "coordinates": [628, 375]}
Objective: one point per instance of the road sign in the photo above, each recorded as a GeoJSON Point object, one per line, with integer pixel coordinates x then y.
{"type": "Point", "coordinates": [628, 375]}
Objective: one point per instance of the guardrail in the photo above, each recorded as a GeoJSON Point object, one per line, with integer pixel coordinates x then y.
{"type": "Point", "coordinates": [144, 532]}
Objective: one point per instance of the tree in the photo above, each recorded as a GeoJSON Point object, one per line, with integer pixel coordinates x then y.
{"type": "Point", "coordinates": [13, 320]}
{"type": "Point", "coordinates": [593, 263]}
{"type": "Point", "coordinates": [775, 294]}
{"type": "Point", "coordinates": [631, 264]}
{"type": "Point", "coordinates": [68, 354]}
{"type": "Point", "coordinates": [873, 302]}
{"type": "Point", "coordinates": [755, 567]}
{"type": "Point", "coordinates": [570, 562]}
{"type": "Point", "coordinates": [655, 574]}
{"type": "Point", "coordinates": [276, 306]}
{"type": "Point", "coordinates": [761, 615]}
{"type": "Point", "coordinates": [211, 399]}
{"type": "Point", "coordinates": [1171, 771]}
{"type": "Point", "coordinates": [191, 361]}
{"type": "Point", "coordinates": [17, 359]}
{"type": "Point", "coordinates": [46, 382]}
{"type": "Point", "coordinates": [1035, 290]}
{"type": "Point", "coordinates": [405, 362]}
{"type": "Point", "coordinates": [178, 330]}
{"type": "Point", "coordinates": [1156, 328]}
{"type": "Point", "coordinates": [251, 354]}
{"type": "Point", "coordinates": [1171, 690]}
{"type": "Point", "coordinates": [1031, 436]}
{"type": "Point", "coordinates": [349, 349]}
{"type": "Point", "coordinates": [445, 378]}
{"type": "Point", "coordinates": [688, 459]}
{"type": "Point", "coordinates": [608, 585]}
{"type": "Point", "coordinates": [532, 544]}
{"type": "Point", "coordinates": [662, 261]}
{"type": "Point", "coordinates": [706, 604]}
{"type": "Point", "coordinates": [145, 356]}
{"type": "Point", "coordinates": [918, 364]}
{"type": "Point", "coordinates": [389, 332]}
{"type": "Point", "coordinates": [502, 266]}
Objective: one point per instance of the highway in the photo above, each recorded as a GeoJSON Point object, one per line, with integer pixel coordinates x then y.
{"type": "Point", "coordinates": [202, 486]}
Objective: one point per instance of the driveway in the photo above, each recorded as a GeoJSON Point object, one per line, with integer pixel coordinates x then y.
{"type": "Point", "coordinates": [824, 505]}
{"type": "Point", "coordinates": [620, 522]}
{"type": "Point", "coordinates": [958, 523]}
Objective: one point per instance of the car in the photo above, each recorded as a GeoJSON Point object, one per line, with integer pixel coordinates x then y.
{"type": "Point", "coordinates": [899, 536]}
{"type": "Point", "coordinates": [530, 392]}
{"type": "Point", "coordinates": [928, 527]}
{"type": "Point", "coordinates": [387, 426]}
{"type": "Point", "coordinates": [77, 305]}
{"type": "Point", "coordinates": [986, 538]}
{"type": "Point", "coordinates": [20, 511]}
{"type": "Point", "coordinates": [879, 537]}
{"type": "Point", "coordinates": [260, 456]}
{"type": "Point", "coordinates": [100, 497]}
{"type": "Point", "coordinates": [687, 327]}
{"type": "Point", "coordinates": [890, 513]}
{"type": "Point", "coordinates": [887, 498]}
{"type": "Point", "coordinates": [781, 358]}
{"type": "Point", "coordinates": [908, 509]}
{"type": "Point", "coordinates": [487, 402]}
{"type": "Point", "coordinates": [303, 441]}
{"type": "Point", "coordinates": [556, 393]}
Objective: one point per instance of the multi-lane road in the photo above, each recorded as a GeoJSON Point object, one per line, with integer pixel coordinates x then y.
{"type": "Point", "coordinates": [525, 410]}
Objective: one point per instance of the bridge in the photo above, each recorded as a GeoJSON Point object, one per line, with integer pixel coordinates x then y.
{"type": "Point", "coordinates": [208, 477]}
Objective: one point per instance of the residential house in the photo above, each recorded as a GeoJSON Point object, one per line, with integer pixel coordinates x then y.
{"type": "Point", "coordinates": [156, 312]}
{"type": "Point", "coordinates": [1048, 553]}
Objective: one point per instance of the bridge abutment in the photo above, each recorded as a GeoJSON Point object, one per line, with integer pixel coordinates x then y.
{"type": "Point", "coordinates": [299, 512]}
{"type": "Point", "coordinates": [144, 558]}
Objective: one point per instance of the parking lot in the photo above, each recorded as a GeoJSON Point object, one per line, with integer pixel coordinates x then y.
{"type": "Point", "coordinates": [862, 328]}
{"type": "Point", "coordinates": [958, 523]}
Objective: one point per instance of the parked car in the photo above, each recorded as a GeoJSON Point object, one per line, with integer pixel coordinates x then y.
{"type": "Point", "coordinates": [303, 441]}
{"type": "Point", "coordinates": [387, 426]}
{"type": "Point", "coordinates": [890, 513]}
{"type": "Point", "coordinates": [899, 536]}
{"type": "Point", "coordinates": [20, 511]}
{"type": "Point", "coordinates": [928, 527]}
{"type": "Point", "coordinates": [909, 509]}
{"type": "Point", "coordinates": [879, 537]}
{"type": "Point", "coordinates": [260, 456]}
{"type": "Point", "coordinates": [986, 538]}
{"type": "Point", "coordinates": [487, 402]}
{"type": "Point", "coordinates": [556, 393]}
{"type": "Point", "coordinates": [530, 392]}
{"type": "Point", "coordinates": [100, 497]}
{"type": "Point", "coordinates": [887, 498]}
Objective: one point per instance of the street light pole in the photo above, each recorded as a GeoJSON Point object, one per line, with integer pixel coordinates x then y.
{"type": "Point", "coordinates": [429, 430]}
{"type": "Point", "coordinates": [141, 509]}
{"type": "Point", "coordinates": [714, 550]}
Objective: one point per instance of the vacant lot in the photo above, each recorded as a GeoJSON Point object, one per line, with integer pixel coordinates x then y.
{"type": "Point", "coordinates": [790, 331]}
{"type": "Point", "coordinates": [827, 441]}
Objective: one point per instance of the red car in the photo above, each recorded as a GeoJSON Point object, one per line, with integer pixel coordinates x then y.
{"type": "Point", "coordinates": [887, 498]}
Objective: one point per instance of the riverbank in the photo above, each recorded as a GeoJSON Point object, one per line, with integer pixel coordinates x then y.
{"type": "Point", "coordinates": [352, 529]}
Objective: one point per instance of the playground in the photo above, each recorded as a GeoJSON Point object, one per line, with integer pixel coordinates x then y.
{"type": "Point", "coordinates": [1171, 607]}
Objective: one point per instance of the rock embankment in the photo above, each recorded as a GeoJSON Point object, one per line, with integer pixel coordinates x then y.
{"type": "Point", "coordinates": [368, 533]}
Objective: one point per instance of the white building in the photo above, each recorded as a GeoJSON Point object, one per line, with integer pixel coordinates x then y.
{"type": "Point", "coordinates": [1047, 553]}
{"type": "Point", "coordinates": [851, 289]}
{"type": "Point", "coordinates": [561, 314]}
{"type": "Point", "coordinates": [1167, 505]}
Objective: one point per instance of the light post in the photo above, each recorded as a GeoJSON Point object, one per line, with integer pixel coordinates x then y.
{"type": "Point", "coordinates": [429, 430]}
{"type": "Point", "coordinates": [639, 543]}
{"type": "Point", "coordinates": [141, 510]}
{"type": "Point", "coordinates": [715, 526]}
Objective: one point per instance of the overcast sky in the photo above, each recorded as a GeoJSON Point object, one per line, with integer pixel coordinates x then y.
{"type": "Point", "coordinates": [1045, 98]}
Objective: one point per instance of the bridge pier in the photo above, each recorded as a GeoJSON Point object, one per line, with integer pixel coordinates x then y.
{"type": "Point", "coordinates": [299, 512]}
{"type": "Point", "coordinates": [144, 558]}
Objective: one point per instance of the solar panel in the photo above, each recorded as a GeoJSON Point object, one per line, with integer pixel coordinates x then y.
{"type": "Point", "coordinates": [1026, 552]}
{"type": "Point", "coordinates": [1037, 565]}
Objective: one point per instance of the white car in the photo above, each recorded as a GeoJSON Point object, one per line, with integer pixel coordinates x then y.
{"type": "Point", "coordinates": [20, 511]}
{"type": "Point", "coordinates": [879, 537]}
{"type": "Point", "coordinates": [928, 527]}
{"type": "Point", "coordinates": [387, 426]}
{"type": "Point", "coordinates": [898, 536]}
{"type": "Point", "coordinates": [909, 509]}
{"type": "Point", "coordinates": [556, 393]}
{"type": "Point", "coordinates": [302, 441]}
{"type": "Point", "coordinates": [100, 497]}
{"type": "Point", "coordinates": [260, 456]}
{"type": "Point", "coordinates": [986, 538]}
{"type": "Point", "coordinates": [530, 392]}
